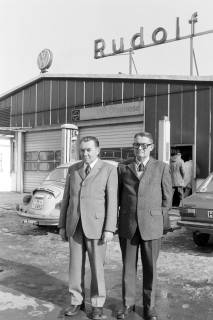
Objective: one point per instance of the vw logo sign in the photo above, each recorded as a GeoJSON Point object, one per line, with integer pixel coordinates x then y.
{"type": "Point", "coordinates": [45, 59]}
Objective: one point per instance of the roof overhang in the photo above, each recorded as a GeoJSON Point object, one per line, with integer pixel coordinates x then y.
{"type": "Point", "coordinates": [170, 78]}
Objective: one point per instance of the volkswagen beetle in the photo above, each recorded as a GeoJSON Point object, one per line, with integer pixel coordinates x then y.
{"type": "Point", "coordinates": [197, 212]}
{"type": "Point", "coordinates": [42, 206]}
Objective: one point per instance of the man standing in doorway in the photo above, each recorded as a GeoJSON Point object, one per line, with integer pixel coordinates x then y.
{"type": "Point", "coordinates": [88, 219]}
{"type": "Point", "coordinates": [177, 173]}
{"type": "Point", "coordinates": [145, 195]}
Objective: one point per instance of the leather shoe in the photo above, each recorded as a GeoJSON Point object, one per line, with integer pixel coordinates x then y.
{"type": "Point", "coordinates": [150, 314]}
{"type": "Point", "coordinates": [97, 313]}
{"type": "Point", "coordinates": [72, 310]}
{"type": "Point", "coordinates": [150, 318]}
{"type": "Point", "coordinates": [123, 313]}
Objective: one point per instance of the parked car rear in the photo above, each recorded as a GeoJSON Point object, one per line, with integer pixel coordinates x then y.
{"type": "Point", "coordinates": [197, 212]}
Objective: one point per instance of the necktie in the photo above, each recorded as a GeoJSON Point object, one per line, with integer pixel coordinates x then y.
{"type": "Point", "coordinates": [141, 167]}
{"type": "Point", "coordinates": [87, 170]}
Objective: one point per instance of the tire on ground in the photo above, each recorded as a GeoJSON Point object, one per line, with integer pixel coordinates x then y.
{"type": "Point", "coordinates": [201, 239]}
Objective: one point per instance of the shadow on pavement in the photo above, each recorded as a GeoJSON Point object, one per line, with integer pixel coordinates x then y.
{"type": "Point", "coordinates": [181, 241]}
{"type": "Point", "coordinates": [34, 282]}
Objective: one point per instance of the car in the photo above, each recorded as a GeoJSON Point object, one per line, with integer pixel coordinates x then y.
{"type": "Point", "coordinates": [197, 212]}
{"type": "Point", "coordinates": [42, 206]}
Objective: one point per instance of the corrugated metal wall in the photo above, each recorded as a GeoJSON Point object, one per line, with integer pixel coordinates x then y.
{"type": "Point", "coordinates": [110, 136]}
{"type": "Point", "coordinates": [5, 113]}
{"type": "Point", "coordinates": [39, 141]}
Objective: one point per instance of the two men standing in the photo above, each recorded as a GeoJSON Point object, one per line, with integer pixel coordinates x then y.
{"type": "Point", "coordinates": [89, 215]}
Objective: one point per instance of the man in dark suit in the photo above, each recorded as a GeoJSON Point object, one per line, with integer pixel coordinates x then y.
{"type": "Point", "coordinates": [145, 195]}
{"type": "Point", "coordinates": [88, 219]}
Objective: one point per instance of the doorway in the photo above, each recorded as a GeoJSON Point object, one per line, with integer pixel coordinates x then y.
{"type": "Point", "coordinates": [185, 150]}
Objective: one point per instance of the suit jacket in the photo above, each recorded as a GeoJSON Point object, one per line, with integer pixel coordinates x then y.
{"type": "Point", "coordinates": [143, 201]}
{"type": "Point", "coordinates": [92, 198]}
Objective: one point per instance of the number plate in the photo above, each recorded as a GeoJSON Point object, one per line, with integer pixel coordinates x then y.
{"type": "Point", "coordinates": [210, 214]}
{"type": "Point", "coordinates": [37, 204]}
{"type": "Point", "coordinates": [30, 221]}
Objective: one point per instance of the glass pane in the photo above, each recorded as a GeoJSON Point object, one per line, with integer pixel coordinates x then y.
{"type": "Point", "coordinates": [58, 174]}
{"type": "Point", "coordinates": [31, 156]}
{"type": "Point", "coordinates": [110, 153]}
{"type": "Point", "coordinates": [58, 156]}
{"type": "Point", "coordinates": [46, 166]}
{"type": "Point", "coordinates": [207, 185]}
{"type": "Point", "coordinates": [46, 155]}
{"type": "Point", "coordinates": [30, 166]}
{"type": "Point", "coordinates": [57, 164]}
{"type": "Point", "coordinates": [127, 153]}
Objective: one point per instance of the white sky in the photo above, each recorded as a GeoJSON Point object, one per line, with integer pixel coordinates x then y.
{"type": "Point", "coordinates": [69, 27]}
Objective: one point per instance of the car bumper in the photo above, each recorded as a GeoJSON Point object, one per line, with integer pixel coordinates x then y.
{"type": "Point", "coordinates": [38, 221]}
{"type": "Point", "coordinates": [202, 227]}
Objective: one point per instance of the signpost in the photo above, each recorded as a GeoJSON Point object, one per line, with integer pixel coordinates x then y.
{"type": "Point", "coordinates": [159, 36]}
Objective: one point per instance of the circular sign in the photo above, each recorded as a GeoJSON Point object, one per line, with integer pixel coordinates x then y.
{"type": "Point", "coordinates": [44, 60]}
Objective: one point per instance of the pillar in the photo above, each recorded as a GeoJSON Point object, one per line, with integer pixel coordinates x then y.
{"type": "Point", "coordinates": [69, 146]}
{"type": "Point", "coordinates": [164, 140]}
{"type": "Point", "coordinates": [19, 161]}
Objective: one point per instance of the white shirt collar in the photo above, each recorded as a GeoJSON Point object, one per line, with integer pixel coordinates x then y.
{"type": "Point", "coordinates": [92, 164]}
{"type": "Point", "coordinates": [144, 163]}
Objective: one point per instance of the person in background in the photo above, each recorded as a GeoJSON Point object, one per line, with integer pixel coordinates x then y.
{"type": "Point", "coordinates": [145, 196]}
{"type": "Point", "coordinates": [88, 218]}
{"type": "Point", "coordinates": [177, 172]}
{"type": "Point", "coordinates": [188, 177]}
{"type": "Point", "coordinates": [189, 180]}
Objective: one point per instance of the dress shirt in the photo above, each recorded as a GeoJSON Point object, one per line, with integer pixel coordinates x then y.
{"type": "Point", "coordinates": [92, 164]}
{"type": "Point", "coordinates": [137, 164]}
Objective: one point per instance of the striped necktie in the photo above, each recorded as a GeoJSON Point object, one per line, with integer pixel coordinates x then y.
{"type": "Point", "coordinates": [141, 167]}
{"type": "Point", "coordinates": [87, 170]}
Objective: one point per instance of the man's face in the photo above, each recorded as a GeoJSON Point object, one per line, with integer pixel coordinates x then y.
{"type": "Point", "coordinates": [142, 147]}
{"type": "Point", "coordinates": [89, 151]}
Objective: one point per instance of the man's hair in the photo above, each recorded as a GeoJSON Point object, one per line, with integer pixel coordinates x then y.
{"type": "Point", "coordinates": [144, 134]}
{"type": "Point", "coordinates": [90, 138]}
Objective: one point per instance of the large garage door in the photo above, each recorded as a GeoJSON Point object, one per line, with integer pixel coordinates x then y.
{"type": "Point", "coordinates": [42, 154]}
{"type": "Point", "coordinates": [115, 140]}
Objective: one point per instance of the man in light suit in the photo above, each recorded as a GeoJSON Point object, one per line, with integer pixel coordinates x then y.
{"type": "Point", "coordinates": [88, 219]}
{"type": "Point", "coordinates": [145, 195]}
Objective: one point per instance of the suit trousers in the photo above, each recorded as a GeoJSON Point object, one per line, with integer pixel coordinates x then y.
{"type": "Point", "coordinates": [96, 250]}
{"type": "Point", "coordinates": [177, 196]}
{"type": "Point", "coordinates": [149, 254]}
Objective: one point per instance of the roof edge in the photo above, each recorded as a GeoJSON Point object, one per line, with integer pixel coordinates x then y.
{"type": "Point", "coordinates": [107, 76]}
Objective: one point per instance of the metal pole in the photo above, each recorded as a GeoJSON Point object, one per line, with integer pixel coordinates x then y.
{"type": "Point", "coordinates": [191, 56]}
{"type": "Point", "coordinates": [195, 63]}
{"type": "Point", "coordinates": [192, 21]}
{"type": "Point", "coordinates": [130, 61]}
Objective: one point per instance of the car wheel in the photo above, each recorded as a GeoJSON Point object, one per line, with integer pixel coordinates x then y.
{"type": "Point", "coordinates": [201, 239]}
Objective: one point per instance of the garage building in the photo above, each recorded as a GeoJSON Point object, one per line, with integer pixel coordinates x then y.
{"type": "Point", "coordinates": [111, 107]}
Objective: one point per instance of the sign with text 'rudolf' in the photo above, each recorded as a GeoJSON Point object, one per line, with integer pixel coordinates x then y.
{"type": "Point", "coordinates": [159, 36]}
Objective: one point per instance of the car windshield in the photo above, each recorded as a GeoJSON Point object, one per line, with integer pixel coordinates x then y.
{"type": "Point", "coordinates": [58, 174]}
{"type": "Point", "coordinates": [207, 185]}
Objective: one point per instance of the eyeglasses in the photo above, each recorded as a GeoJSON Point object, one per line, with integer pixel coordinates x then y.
{"type": "Point", "coordinates": [143, 146]}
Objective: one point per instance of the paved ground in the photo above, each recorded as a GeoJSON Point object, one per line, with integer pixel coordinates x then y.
{"type": "Point", "coordinates": [34, 266]}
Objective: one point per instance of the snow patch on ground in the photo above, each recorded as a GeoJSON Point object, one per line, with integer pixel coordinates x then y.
{"type": "Point", "coordinates": [22, 302]}
{"type": "Point", "coordinates": [11, 301]}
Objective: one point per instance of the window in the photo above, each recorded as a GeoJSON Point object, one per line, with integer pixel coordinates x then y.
{"type": "Point", "coordinates": [41, 160]}
{"type": "Point", "coordinates": [31, 156]}
{"type": "Point", "coordinates": [111, 153]}
{"type": "Point", "coordinates": [30, 166]}
{"type": "Point", "coordinates": [46, 155]}
{"type": "Point", "coordinates": [117, 154]}
{"type": "Point", "coordinates": [46, 166]}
